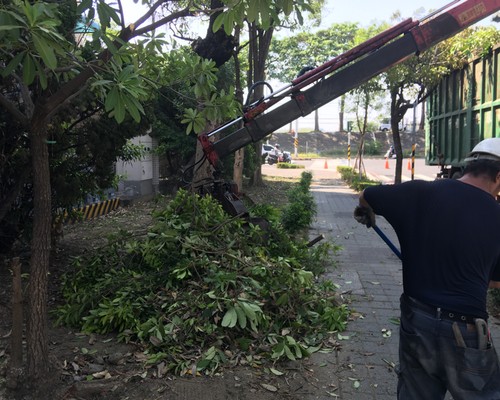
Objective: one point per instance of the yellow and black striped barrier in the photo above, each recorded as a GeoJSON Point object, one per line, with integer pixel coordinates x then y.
{"type": "Point", "coordinates": [91, 211]}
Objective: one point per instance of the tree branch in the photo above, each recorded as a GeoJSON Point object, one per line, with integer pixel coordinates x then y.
{"type": "Point", "coordinates": [13, 194]}
{"type": "Point", "coordinates": [148, 14]}
{"type": "Point", "coordinates": [71, 97]}
{"type": "Point", "coordinates": [12, 109]}
{"type": "Point", "coordinates": [179, 14]}
{"type": "Point", "coordinates": [74, 86]}
{"type": "Point", "coordinates": [120, 9]}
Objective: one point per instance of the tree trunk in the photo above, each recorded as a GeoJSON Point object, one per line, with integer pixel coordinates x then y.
{"type": "Point", "coordinates": [203, 171]}
{"type": "Point", "coordinates": [395, 136]}
{"type": "Point", "coordinates": [260, 41]}
{"type": "Point", "coordinates": [239, 158]}
{"type": "Point", "coordinates": [341, 113]}
{"type": "Point", "coordinates": [422, 116]}
{"type": "Point", "coordinates": [37, 319]}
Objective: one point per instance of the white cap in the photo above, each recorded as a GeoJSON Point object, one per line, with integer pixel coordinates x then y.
{"type": "Point", "coordinates": [487, 149]}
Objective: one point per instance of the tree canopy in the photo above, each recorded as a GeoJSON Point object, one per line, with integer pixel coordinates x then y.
{"type": "Point", "coordinates": [57, 95]}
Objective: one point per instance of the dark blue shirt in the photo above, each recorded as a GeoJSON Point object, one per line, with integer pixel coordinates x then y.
{"type": "Point", "coordinates": [449, 233]}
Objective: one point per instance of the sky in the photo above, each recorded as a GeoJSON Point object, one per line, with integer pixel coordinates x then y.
{"type": "Point", "coordinates": [366, 12]}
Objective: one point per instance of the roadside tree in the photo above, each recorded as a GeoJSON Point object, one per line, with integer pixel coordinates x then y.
{"type": "Point", "coordinates": [296, 54]}
{"type": "Point", "coordinates": [411, 81]}
{"type": "Point", "coordinates": [50, 75]}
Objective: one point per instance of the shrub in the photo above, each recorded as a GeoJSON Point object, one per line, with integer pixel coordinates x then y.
{"type": "Point", "coordinates": [298, 214]}
{"type": "Point", "coordinates": [290, 166]}
{"type": "Point", "coordinates": [495, 297]}
{"type": "Point", "coordinates": [372, 148]}
{"type": "Point", "coordinates": [353, 179]}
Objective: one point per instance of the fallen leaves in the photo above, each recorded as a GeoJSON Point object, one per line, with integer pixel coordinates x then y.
{"type": "Point", "coordinates": [268, 387]}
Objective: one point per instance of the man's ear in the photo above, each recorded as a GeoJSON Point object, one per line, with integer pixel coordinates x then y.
{"type": "Point", "coordinates": [497, 182]}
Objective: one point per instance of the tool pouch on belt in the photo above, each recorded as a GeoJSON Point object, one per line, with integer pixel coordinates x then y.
{"type": "Point", "coordinates": [482, 331]}
{"type": "Point", "coordinates": [483, 334]}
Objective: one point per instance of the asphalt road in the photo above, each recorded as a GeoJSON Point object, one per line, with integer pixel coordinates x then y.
{"type": "Point", "coordinates": [375, 169]}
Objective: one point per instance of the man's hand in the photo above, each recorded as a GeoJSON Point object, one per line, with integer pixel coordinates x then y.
{"type": "Point", "coordinates": [365, 216]}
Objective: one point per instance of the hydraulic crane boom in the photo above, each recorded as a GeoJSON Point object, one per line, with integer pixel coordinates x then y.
{"type": "Point", "coordinates": [342, 74]}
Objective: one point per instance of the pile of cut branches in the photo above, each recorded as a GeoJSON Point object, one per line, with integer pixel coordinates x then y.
{"type": "Point", "coordinates": [205, 290]}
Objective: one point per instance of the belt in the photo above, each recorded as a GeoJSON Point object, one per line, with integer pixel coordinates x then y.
{"type": "Point", "coordinates": [437, 312]}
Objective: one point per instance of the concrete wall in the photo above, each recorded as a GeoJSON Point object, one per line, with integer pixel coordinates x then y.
{"type": "Point", "coordinates": [139, 176]}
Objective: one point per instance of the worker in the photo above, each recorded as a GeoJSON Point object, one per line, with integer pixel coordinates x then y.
{"type": "Point", "coordinates": [448, 233]}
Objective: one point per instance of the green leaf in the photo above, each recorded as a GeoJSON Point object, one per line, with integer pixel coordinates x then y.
{"type": "Point", "coordinates": [210, 353]}
{"type": "Point", "coordinates": [28, 70]}
{"type": "Point", "coordinates": [13, 64]}
{"type": "Point", "coordinates": [111, 12]}
{"type": "Point", "coordinates": [137, 104]}
{"type": "Point", "coordinates": [242, 318]}
{"type": "Point", "coordinates": [84, 5]}
{"type": "Point", "coordinates": [253, 11]}
{"type": "Point", "coordinates": [278, 350]}
{"type": "Point", "coordinates": [202, 364]}
{"type": "Point", "coordinates": [119, 112]}
{"type": "Point", "coordinates": [230, 318]}
{"type": "Point", "coordinates": [287, 7]}
{"type": "Point", "coordinates": [41, 74]}
{"type": "Point", "coordinates": [45, 51]}
{"type": "Point", "coordinates": [90, 17]}
{"type": "Point", "coordinates": [29, 13]}
{"type": "Point", "coordinates": [111, 99]}
{"type": "Point", "coordinates": [131, 108]}
{"type": "Point", "coordinates": [219, 21]}
{"type": "Point", "coordinates": [110, 44]}
{"type": "Point", "coordinates": [229, 23]}
{"type": "Point", "coordinates": [283, 299]}
{"type": "Point", "coordinates": [102, 12]}
{"type": "Point", "coordinates": [248, 311]}
{"type": "Point", "coordinates": [291, 340]}
{"type": "Point", "coordinates": [289, 354]}
{"type": "Point", "coordinates": [14, 15]}
{"type": "Point", "coordinates": [9, 27]}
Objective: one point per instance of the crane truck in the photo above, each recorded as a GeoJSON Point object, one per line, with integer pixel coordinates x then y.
{"type": "Point", "coordinates": [318, 86]}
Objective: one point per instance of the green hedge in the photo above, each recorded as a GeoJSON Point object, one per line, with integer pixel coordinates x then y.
{"type": "Point", "coordinates": [289, 166]}
{"type": "Point", "coordinates": [354, 179]}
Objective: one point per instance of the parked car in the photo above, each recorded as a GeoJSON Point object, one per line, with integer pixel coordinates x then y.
{"type": "Point", "coordinates": [267, 148]}
{"type": "Point", "coordinates": [386, 126]}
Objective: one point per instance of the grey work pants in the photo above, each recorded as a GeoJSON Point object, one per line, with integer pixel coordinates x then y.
{"type": "Point", "coordinates": [431, 363]}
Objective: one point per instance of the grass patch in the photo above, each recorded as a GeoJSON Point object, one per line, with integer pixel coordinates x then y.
{"type": "Point", "coordinates": [289, 166]}
{"type": "Point", "coordinates": [303, 156]}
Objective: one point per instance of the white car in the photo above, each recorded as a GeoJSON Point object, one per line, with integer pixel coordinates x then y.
{"type": "Point", "coordinates": [387, 127]}
{"type": "Point", "coordinates": [268, 149]}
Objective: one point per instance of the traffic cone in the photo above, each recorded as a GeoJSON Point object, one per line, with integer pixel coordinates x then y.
{"type": "Point", "coordinates": [409, 164]}
{"type": "Point", "coordinates": [386, 163]}
{"type": "Point", "coordinates": [326, 165]}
